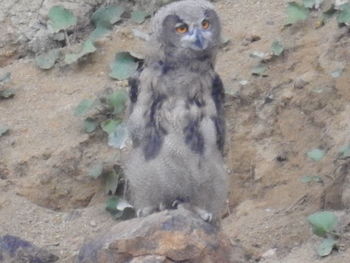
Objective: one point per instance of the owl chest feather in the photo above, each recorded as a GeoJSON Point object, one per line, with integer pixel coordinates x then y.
{"type": "Point", "coordinates": [179, 105]}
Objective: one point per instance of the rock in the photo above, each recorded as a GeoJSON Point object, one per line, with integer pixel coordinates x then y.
{"type": "Point", "coordinates": [250, 39]}
{"type": "Point", "coordinates": [168, 236]}
{"type": "Point", "coordinates": [23, 26]}
{"type": "Point", "coordinates": [150, 259]}
{"type": "Point", "coordinates": [16, 250]}
{"type": "Point", "coordinates": [269, 253]}
{"type": "Point", "coordinates": [337, 195]}
{"type": "Point", "coordinates": [93, 223]}
{"type": "Point", "coordinates": [300, 83]}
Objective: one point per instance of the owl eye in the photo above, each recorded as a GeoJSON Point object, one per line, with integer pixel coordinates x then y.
{"type": "Point", "coordinates": [182, 29]}
{"type": "Point", "coordinates": [205, 24]}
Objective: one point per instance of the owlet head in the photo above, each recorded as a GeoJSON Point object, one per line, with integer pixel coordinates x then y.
{"type": "Point", "coordinates": [187, 27]}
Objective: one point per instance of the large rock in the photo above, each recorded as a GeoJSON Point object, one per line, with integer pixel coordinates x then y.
{"type": "Point", "coordinates": [16, 250]}
{"type": "Point", "coordinates": [337, 195]}
{"type": "Point", "coordinates": [23, 26]}
{"type": "Point", "coordinates": [169, 236]}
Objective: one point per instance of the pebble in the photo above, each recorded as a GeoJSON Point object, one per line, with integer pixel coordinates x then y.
{"type": "Point", "coordinates": [300, 84]}
{"type": "Point", "coordinates": [93, 223]}
{"type": "Point", "coordinates": [269, 253]}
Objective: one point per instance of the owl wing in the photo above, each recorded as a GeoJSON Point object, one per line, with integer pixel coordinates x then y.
{"type": "Point", "coordinates": [218, 95]}
{"type": "Point", "coordinates": [134, 90]}
{"type": "Point", "coordinates": [134, 83]}
{"type": "Point", "coordinates": [144, 124]}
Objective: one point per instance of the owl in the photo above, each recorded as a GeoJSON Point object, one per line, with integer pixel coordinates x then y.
{"type": "Point", "coordinates": [176, 116]}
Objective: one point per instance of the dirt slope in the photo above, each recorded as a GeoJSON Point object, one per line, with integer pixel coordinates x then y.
{"type": "Point", "coordinates": [46, 197]}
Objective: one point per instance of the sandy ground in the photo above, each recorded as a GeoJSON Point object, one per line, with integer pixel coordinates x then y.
{"type": "Point", "coordinates": [47, 198]}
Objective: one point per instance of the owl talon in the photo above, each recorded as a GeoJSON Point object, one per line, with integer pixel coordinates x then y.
{"type": "Point", "coordinates": [162, 207]}
{"type": "Point", "coordinates": [145, 211]}
{"type": "Point", "coordinates": [175, 204]}
{"type": "Point", "coordinates": [205, 215]}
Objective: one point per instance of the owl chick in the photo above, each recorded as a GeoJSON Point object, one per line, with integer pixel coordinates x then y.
{"type": "Point", "coordinates": [176, 115]}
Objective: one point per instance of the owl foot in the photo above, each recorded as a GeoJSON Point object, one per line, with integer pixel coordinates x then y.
{"type": "Point", "coordinates": [146, 211]}
{"type": "Point", "coordinates": [205, 215]}
{"type": "Point", "coordinates": [175, 204]}
{"type": "Point", "coordinates": [162, 207]}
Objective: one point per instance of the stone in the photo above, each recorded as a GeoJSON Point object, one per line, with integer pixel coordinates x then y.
{"type": "Point", "coordinates": [16, 250]}
{"type": "Point", "coordinates": [169, 236]}
{"type": "Point", "coordinates": [337, 195]}
{"type": "Point", "coordinates": [149, 259]}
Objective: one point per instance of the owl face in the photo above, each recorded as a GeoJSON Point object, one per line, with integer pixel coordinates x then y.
{"type": "Point", "coordinates": [189, 27]}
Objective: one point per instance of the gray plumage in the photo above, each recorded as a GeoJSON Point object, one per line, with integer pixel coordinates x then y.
{"type": "Point", "coordinates": [176, 115]}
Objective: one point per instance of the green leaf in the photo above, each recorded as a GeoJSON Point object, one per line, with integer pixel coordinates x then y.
{"type": "Point", "coordinates": [259, 70]}
{"type": "Point", "coordinates": [88, 48]}
{"type": "Point", "coordinates": [111, 205]}
{"type": "Point", "coordinates": [109, 126]}
{"type": "Point", "coordinates": [296, 12]}
{"type": "Point", "coordinates": [309, 179]}
{"type": "Point", "coordinates": [322, 222]}
{"type": "Point", "coordinates": [47, 60]}
{"type": "Point", "coordinates": [277, 48]}
{"type": "Point", "coordinates": [344, 14]}
{"type": "Point", "coordinates": [123, 66]}
{"type": "Point", "coordinates": [345, 151]}
{"type": "Point", "coordinates": [316, 154]}
{"type": "Point", "coordinates": [118, 137]}
{"type": "Point", "coordinates": [117, 101]}
{"type": "Point", "coordinates": [329, 12]}
{"type": "Point", "coordinates": [7, 93]}
{"type": "Point", "coordinates": [98, 33]}
{"type": "Point", "coordinates": [61, 18]}
{"type": "Point", "coordinates": [326, 247]}
{"type": "Point", "coordinates": [83, 107]}
{"type": "Point", "coordinates": [106, 16]}
{"type": "Point", "coordinates": [139, 16]}
{"type": "Point", "coordinates": [103, 19]}
{"type": "Point", "coordinates": [90, 125]}
{"type": "Point", "coordinates": [6, 77]}
{"type": "Point", "coordinates": [96, 170]}
{"type": "Point", "coordinates": [308, 3]}
{"type": "Point", "coordinates": [3, 130]}
{"type": "Point", "coordinates": [112, 179]}
{"type": "Point", "coordinates": [312, 3]}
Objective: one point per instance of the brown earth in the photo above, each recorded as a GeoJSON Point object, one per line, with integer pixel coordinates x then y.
{"type": "Point", "coordinates": [47, 198]}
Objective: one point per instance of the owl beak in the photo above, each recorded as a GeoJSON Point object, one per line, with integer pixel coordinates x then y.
{"type": "Point", "coordinates": [200, 42]}
{"type": "Point", "coordinates": [196, 40]}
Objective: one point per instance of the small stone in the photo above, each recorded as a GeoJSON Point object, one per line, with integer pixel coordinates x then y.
{"type": "Point", "coordinates": [243, 82]}
{"type": "Point", "coordinates": [250, 39]}
{"type": "Point", "coordinates": [149, 259]}
{"type": "Point", "coordinates": [93, 223]}
{"type": "Point", "coordinates": [253, 38]}
{"type": "Point", "coordinates": [269, 253]}
{"type": "Point", "coordinates": [300, 84]}
{"type": "Point", "coordinates": [123, 83]}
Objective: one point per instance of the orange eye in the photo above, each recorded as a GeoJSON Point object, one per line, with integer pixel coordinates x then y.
{"type": "Point", "coordinates": [205, 24]}
{"type": "Point", "coordinates": [182, 29]}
